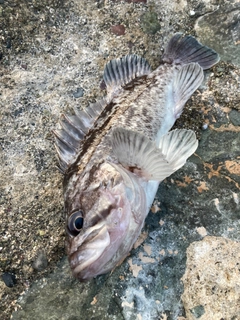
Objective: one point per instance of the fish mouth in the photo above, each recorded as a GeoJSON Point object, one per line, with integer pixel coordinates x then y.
{"type": "Point", "coordinates": [86, 249]}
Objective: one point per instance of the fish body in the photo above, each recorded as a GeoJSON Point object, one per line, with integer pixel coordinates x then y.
{"type": "Point", "coordinates": [115, 153]}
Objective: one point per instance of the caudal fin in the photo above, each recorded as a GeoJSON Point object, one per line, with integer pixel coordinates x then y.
{"type": "Point", "coordinates": [186, 49]}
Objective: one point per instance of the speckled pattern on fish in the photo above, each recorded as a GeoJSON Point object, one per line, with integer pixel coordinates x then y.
{"type": "Point", "coordinates": [115, 153]}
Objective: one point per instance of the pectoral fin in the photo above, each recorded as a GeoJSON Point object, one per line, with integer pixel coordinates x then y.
{"type": "Point", "coordinates": [141, 156]}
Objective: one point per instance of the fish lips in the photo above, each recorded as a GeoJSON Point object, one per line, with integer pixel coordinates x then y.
{"type": "Point", "coordinates": [85, 249]}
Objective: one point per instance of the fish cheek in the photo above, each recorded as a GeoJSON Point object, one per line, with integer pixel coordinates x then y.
{"type": "Point", "coordinates": [118, 224]}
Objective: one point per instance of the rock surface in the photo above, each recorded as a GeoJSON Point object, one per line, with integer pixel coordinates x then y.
{"type": "Point", "coordinates": [221, 29]}
{"type": "Point", "coordinates": [55, 48]}
{"type": "Point", "coordinates": [212, 279]}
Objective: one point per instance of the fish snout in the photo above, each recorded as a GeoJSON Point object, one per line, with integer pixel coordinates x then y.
{"type": "Point", "coordinates": [86, 249]}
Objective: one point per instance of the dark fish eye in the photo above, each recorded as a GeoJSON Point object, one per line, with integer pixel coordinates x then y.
{"type": "Point", "coordinates": [75, 223]}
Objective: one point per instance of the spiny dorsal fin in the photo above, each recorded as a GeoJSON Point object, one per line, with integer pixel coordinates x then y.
{"type": "Point", "coordinates": [140, 155]}
{"type": "Point", "coordinates": [119, 72]}
{"type": "Point", "coordinates": [73, 130]}
{"type": "Point", "coordinates": [185, 49]}
{"type": "Point", "coordinates": [185, 82]}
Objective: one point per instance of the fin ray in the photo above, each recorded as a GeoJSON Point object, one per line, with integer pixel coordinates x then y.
{"type": "Point", "coordinates": [185, 82]}
{"type": "Point", "coordinates": [185, 49]}
{"type": "Point", "coordinates": [73, 130]}
{"type": "Point", "coordinates": [178, 145]}
{"type": "Point", "coordinates": [119, 72]}
{"type": "Point", "coordinates": [158, 163]}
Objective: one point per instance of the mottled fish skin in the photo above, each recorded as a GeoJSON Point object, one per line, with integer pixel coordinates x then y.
{"type": "Point", "coordinates": [115, 153]}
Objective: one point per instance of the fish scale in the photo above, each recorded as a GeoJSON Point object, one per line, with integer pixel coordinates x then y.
{"type": "Point", "coordinates": [114, 153]}
{"type": "Point", "coordinates": [124, 112]}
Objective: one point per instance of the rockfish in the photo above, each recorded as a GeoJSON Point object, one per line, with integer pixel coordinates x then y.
{"type": "Point", "coordinates": [115, 152]}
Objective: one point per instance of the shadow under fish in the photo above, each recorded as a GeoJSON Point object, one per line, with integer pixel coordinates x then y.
{"type": "Point", "coordinates": [115, 152]}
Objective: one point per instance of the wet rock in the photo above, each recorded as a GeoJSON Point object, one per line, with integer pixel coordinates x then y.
{"type": "Point", "coordinates": [226, 81]}
{"type": "Point", "coordinates": [211, 281]}
{"type": "Point", "coordinates": [118, 30]}
{"type": "Point", "coordinates": [9, 279]}
{"type": "Point", "coordinates": [234, 116]}
{"type": "Point", "coordinates": [149, 22]}
{"type": "Point", "coordinates": [221, 30]}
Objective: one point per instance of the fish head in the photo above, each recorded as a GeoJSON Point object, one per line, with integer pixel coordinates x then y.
{"type": "Point", "coordinates": [103, 220]}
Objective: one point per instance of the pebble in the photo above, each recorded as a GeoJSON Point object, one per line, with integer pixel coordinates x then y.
{"type": "Point", "coordinates": [42, 232]}
{"type": "Point", "coordinates": [103, 85]}
{"type": "Point", "coordinates": [40, 263]}
{"type": "Point", "coordinates": [9, 279]}
{"type": "Point", "coordinates": [205, 126]}
{"type": "Point", "coordinates": [24, 66]}
{"type": "Point", "coordinates": [78, 93]}
{"type": "Point", "coordinates": [198, 311]}
{"type": "Point", "coordinates": [118, 30]}
{"type": "Point", "coordinates": [8, 43]}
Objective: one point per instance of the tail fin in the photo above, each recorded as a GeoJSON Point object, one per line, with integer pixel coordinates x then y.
{"type": "Point", "coordinates": [186, 49]}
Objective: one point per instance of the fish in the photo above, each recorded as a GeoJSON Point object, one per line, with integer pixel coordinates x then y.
{"type": "Point", "coordinates": [115, 152]}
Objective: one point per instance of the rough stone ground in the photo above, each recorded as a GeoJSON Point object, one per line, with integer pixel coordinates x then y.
{"type": "Point", "coordinates": [51, 53]}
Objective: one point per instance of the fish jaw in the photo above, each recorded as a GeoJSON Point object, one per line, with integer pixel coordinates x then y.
{"type": "Point", "coordinates": [86, 250]}
{"type": "Point", "coordinates": [99, 248]}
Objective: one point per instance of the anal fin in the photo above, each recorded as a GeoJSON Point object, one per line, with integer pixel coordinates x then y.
{"type": "Point", "coordinates": [177, 146]}
{"type": "Point", "coordinates": [141, 156]}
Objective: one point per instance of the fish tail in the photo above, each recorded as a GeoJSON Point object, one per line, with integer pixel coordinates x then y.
{"type": "Point", "coordinates": [186, 49]}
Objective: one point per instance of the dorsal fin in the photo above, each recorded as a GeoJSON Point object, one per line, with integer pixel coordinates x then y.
{"type": "Point", "coordinates": [72, 130]}
{"type": "Point", "coordinates": [119, 72]}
